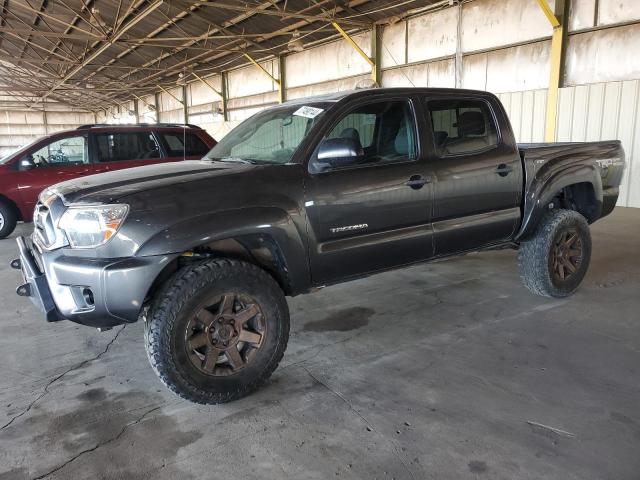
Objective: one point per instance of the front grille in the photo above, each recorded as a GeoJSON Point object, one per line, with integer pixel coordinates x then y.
{"type": "Point", "coordinates": [43, 223]}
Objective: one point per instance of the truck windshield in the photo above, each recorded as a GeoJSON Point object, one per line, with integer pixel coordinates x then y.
{"type": "Point", "coordinates": [271, 136]}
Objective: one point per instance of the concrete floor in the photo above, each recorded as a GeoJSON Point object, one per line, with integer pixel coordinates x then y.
{"type": "Point", "coordinates": [446, 371]}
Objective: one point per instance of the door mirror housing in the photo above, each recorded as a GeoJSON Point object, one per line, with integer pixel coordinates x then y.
{"type": "Point", "coordinates": [338, 152]}
{"type": "Point", "coordinates": [27, 163]}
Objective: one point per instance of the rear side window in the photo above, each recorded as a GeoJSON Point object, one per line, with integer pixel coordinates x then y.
{"type": "Point", "coordinates": [114, 147]}
{"type": "Point", "coordinates": [189, 143]}
{"type": "Point", "coordinates": [462, 126]}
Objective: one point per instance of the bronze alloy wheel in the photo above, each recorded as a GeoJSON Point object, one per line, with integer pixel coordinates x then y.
{"type": "Point", "coordinates": [566, 254]}
{"type": "Point", "coordinates": [224, 336]}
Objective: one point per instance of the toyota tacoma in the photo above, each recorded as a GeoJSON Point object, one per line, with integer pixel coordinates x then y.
{"type": "Point", "coordinates": [302, 195]}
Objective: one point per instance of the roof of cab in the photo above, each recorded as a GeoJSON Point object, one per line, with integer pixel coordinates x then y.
{"type": "Point", "coordinates": [337, 96]}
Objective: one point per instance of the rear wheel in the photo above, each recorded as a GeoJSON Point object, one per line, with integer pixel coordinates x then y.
{"type": "Point", "coordinates": [8, 220]}
{"type": "Point", "coordinates": [555, 260]}
{"type": "Point", "coordinates": [217, 330]}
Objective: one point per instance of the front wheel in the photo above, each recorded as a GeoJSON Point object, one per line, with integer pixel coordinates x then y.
{"type": "Point", "coordinates": [8, 220]}
{"type": "Point", "coordinates": [217, 330]}
{"type": "Point", "coordinates": [555, 260]}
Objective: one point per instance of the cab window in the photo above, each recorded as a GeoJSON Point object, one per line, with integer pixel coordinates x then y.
{"type": "Point", "coordinates": [462, 126]}
{"type": "Point", "coordinates": [382, 132]}
{"type": "Point", "coordinates": [65, 151]}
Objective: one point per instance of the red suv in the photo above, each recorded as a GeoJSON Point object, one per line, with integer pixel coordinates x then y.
{"type": "Point", "coordinates": [87, 150]}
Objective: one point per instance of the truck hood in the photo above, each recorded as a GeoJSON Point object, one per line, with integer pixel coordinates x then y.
{"type": "Point", "coordinates": [112, 186]}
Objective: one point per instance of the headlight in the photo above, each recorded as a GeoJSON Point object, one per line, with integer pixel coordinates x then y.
{"type": "Point", "coordinates": [88, 227]}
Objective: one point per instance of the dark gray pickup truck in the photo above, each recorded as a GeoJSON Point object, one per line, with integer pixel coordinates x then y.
{"type": "Point", "coordinates": [302, 195]}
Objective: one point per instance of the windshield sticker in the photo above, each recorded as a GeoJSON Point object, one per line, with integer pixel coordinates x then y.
{"type": "Point", "coordinates": [309, 112]}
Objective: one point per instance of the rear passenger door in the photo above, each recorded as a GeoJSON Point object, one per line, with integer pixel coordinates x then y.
{"type": "Point", "coordinates": [117, 150]}
{"type": "Point", "coordinates": [478, 175]}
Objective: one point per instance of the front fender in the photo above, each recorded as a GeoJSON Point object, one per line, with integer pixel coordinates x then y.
{"type": "Point", "coordinates": [546, 184]}
{"type": "Point", "coordinates": [187, 234]}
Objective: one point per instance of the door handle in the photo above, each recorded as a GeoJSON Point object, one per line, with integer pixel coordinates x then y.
{"type": "Point", "coordinates": [503, 170]}
{"type": "Point", "coordinates": [417, 182]}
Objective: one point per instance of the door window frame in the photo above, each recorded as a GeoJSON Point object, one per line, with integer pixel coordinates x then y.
{"type": "Point", "coordinates": [427, 114]}
{"type": "Point", "coordinates": [349, 108]}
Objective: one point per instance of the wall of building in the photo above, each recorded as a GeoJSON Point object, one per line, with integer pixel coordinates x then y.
{"type": "Point", "coordinates": [20, 125]}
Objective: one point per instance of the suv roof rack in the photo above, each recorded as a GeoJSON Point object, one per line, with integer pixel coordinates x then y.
{"type": "Point", "coordinates": [161, 125]}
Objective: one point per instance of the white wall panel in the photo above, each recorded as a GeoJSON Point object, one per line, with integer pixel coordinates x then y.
{"type": "Point", "coordinates": [433, 35]}
{"type": "Point", "coordinates": [474, 71]}
{"type": "Point", "coordinates": [328, 62]}
{"type": "Point", "coordinates": [393, 45]}
{"type": "Point", "coordinates": [603, 56]}
{"type": "Point", "coordinates": [605, 111]}
{"type": "Point", "coordinates": [616, 11]}
{"type": "Point", "coordinates": [199, 93]}
{"type": "Point", "coordinates": [438, 74]}
{"type": "Point", "coordinates": [326, 87]}
{"type": "Point", "coordinates": [581, 14]}
{"type": "Point", "coordinates": [250, 80]}
{"type": "Point", "coordinates": [168, 102]}
{"type": "Point", "coordinates": [492, 23]}
{"type": "Point", "coordinates": [526, 112]}
{"type": "Point", "coordinates": [525, 67]}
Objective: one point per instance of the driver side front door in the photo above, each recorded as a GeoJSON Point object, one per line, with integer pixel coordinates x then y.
{"type": "Point", "coordinates": [54, 161]}
{"type": "Point", "coordinates": [376, 214]}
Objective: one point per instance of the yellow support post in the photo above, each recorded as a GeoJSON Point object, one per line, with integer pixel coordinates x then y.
{"type": "Point", "coordinates": [557, 53]}
{"type": "Point", "coordinates": [374, 69]}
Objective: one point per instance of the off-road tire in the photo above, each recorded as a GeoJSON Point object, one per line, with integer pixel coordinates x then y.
{"type": "Point", "coordinates": [174, 304]}
{"type": "Point", "coordinates": [8, 219]}
{"type": "Point", "coordinates": [535, 254]}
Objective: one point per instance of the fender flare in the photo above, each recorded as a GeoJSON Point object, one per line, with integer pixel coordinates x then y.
{"type": "Point", "coordinates": [546, 184]}
{"type": "Point", "coordinates": [271, 222]}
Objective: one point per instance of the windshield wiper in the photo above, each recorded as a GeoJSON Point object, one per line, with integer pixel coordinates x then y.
{"type": "Point", "coordinates": [231, 160]}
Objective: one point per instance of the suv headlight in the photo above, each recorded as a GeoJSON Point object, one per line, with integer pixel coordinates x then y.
{"type": "Point", "coordinates": [92, 226]}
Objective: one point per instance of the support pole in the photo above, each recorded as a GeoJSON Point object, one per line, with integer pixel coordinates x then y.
{"type": "Point", "coordinates": [376, 54]}
{"type": "Point", "coordinates": [558, 21]}
{"type": "Point", "coordinates": [459, 57]}
{"type": "Point", "coordinates": [282, 84]}
{"type": "Point", "coordinates": [223, 88]}
{"type": "Point", "coordinates": [136, 112]}
{"type": "Point", "coordinates": [156, 100]}
{"type": "Point", "coordinates": [185, 107]}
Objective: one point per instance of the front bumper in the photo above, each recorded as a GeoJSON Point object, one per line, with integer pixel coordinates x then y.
{"type": "Point", "coordinates": [97, 292]}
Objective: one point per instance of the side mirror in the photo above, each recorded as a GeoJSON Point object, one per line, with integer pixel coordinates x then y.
{"type": "Point", "coordinates": [27, 163]}
{"type": "Point", "coordinates": [339, 152]}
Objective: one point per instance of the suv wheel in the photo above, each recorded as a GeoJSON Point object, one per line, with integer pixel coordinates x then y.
{"type": "Point", "coordinates": [8, 220]}
{"type": "Point", "coordinates": [217, 330]}
{"type": "Point", "coordinates": [555, 260]}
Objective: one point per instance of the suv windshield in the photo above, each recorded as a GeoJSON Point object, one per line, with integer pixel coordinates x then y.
{"type": "Point", "coordinates": [271, 136]}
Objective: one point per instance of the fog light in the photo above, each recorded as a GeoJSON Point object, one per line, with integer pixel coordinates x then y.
{"type": "Point", "coordinates": [88, 296]}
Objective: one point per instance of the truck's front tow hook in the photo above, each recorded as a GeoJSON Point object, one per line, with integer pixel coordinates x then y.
{"type": "Point", "coordinates": [24, 290]}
